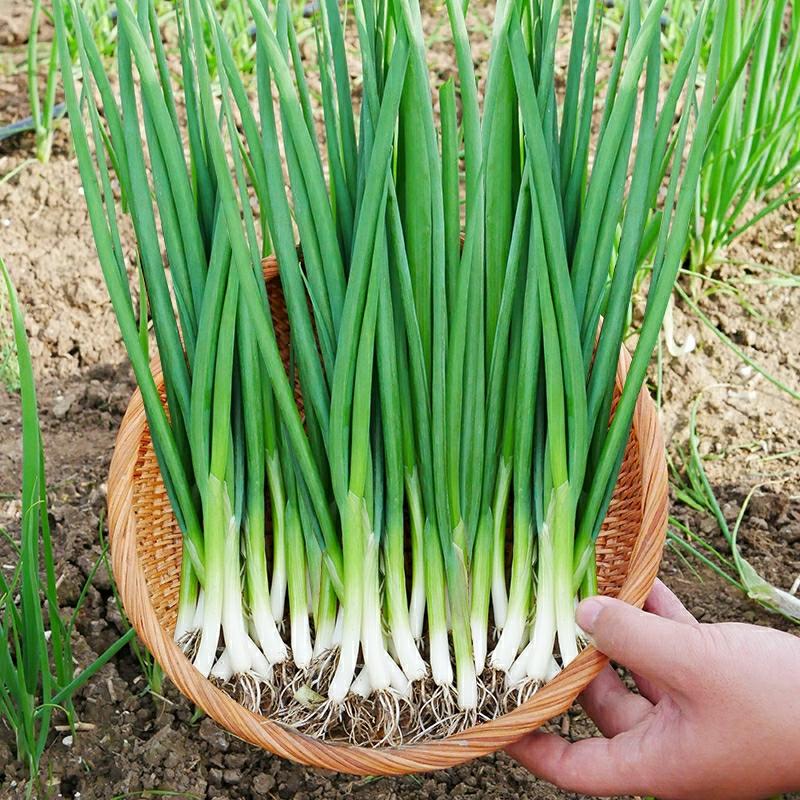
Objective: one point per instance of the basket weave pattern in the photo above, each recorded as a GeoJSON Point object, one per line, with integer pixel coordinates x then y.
{"type": "Point", "coordinates": [146, 552]}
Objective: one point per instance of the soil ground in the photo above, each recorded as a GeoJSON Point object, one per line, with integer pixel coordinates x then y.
{"type": "Point", "coordinates": [134, 741]}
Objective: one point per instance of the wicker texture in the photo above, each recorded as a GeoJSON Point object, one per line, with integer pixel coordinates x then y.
{"type": "Point", "coordinates": [146, 554]}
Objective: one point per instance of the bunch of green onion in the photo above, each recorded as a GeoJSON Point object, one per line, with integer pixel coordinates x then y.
{"type": "Point", "coordinates": [402, 559]}
{"type": "Point", "coordinates": [753, 154]}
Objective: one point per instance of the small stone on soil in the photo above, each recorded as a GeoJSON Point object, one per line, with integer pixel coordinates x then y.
{"type": "Point", "coordinates": [235, 760]}
{"type": "Point", "coordinates": [211, 733]}
{"type": "Point", "coordinates": [263, 783]}
{"type": "Point", "coordinates": [63, 404]}
{"type": "Point", "coordinates": [232, 776]}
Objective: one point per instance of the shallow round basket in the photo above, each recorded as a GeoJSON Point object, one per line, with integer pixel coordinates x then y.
{"type": "Point", "coordinates": [146, 556]}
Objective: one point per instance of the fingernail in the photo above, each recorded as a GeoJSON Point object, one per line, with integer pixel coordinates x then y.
{"type": "Point", "coordinates": [588, 611]}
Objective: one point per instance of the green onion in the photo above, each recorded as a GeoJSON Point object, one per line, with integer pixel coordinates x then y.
{"type": "Point", "coordinates": [346, 568]}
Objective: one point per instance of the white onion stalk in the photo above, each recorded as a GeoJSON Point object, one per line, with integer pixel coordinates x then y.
{"type": "Point", "coordinates": [361, 686]}
{"type": "Point", "coordinates": [302, 649]}
{"type": "Point", "coordinates": [278, 501]}
{"type": "Point", "coordinates": [458, 596]}
{"type": "Point", "coordinates": [199, 610]}
{"type": "Point", "coordinates": [376, 658]}
{"type": "Point", "coordinates": [265, 629]}
{"type": "Point", "coordinates": [535, 659]}
{"type": "Point", "coordinates": [398, 615]}
{"type": "Point", "coordinates": [187, 602]}
{"type": "Point", "coordinates": [440, 661]}
{"type": "Point", "coordinates": [398, 679]}
{"type": "Point", "coordinates": [499, 517]}
{"type": "Point", "coordinates": [326, 617]}
{"type": "Point", "coordinates": [481, 591]}
{"type": "Point", "coordinates": [508, 644]}
{"type": "Point", "coordinates": [216, 523]}
{"type": "Point", "coordinates": [233, 620]}
{"type": "Point", "coordinates": [416, 610]}
{"type": "Point", "coordinates": [223, 669]}
{"type": "Point", "coordinates": [239, 646]}
{"type": "Point", "coordinates": [338, 628]}
{"type": "Point", "coordinates": [354, 514]}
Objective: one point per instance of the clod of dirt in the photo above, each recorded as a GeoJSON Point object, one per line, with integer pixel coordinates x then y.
{"type": "Point", "coordinates": [263, 783]}
{"type": "Point", "coordinates": [212, 734]}
{"type": "Point", "coordinates": [15, 23]}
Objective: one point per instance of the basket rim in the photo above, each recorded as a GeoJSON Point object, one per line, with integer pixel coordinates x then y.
{"type": "Point", "coordinates": [551, 700]}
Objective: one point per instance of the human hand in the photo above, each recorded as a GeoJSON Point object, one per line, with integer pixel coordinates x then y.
{"type": "Point", "coordinates": [716, 716]}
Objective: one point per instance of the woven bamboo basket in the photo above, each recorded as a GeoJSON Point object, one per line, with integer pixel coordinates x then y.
{"type": "Point", "coordinates": [146, 551]}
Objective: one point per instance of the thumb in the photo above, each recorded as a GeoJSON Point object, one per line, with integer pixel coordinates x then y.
{"type": "Point", "coordinates": [655, 647]}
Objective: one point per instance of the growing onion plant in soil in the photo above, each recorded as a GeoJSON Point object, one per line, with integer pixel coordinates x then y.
{"type": "Point", "coordinates": [753, 153]}
{"type": "Point", "coordinates": [385, 532]}
{"type": "Point", "coordinates": [693, 489]}
{"type": "Point", "coordinates": [38, 675]}
{"type": "Point", "coordinates": [100, 18]}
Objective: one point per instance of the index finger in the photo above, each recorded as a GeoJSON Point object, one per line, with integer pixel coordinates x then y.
{"type": "Point", "coordinates": [655, 647]}
{"type": "Point", "coordinates": [663, 602]}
